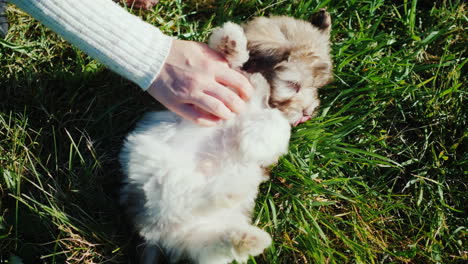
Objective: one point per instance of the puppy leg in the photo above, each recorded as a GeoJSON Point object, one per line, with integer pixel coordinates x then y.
{"type": "Point", "coordinates": [230, 41]}
{"type": "Point", "coordinates": [250, 241]}
{"type": "Point", "coordinates": [152, 254]}
{"type": "Point", "coordinates": [217, 245]}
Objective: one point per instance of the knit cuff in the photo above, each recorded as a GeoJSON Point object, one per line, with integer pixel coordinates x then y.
{"type": "Point", "coordinates": [105, 31]}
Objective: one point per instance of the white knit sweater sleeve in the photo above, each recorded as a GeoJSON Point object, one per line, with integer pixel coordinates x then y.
{"type": "Point", "coordinates": [105, 31]}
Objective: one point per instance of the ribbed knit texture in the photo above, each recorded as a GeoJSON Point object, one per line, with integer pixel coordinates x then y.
{"type": "Point", "coordinates": [105, 31]}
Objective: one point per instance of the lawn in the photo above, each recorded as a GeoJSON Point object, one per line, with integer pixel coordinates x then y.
{"type": "Point", "coordinates": [379, 176]}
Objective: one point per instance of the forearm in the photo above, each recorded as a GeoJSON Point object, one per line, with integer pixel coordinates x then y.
{"type": "Point", "coordinates": [106, 32]}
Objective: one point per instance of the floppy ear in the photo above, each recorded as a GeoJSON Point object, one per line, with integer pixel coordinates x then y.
{"type": "Point", "coordinates": [322, 74]}
{"type": "Point", "coordinates": [264, 60]}
{"type": "Point", "coordinates": [321, 20]}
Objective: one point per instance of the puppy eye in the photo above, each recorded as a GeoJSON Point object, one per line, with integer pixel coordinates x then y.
{"type": "Point", "coordinates": [294, 85]}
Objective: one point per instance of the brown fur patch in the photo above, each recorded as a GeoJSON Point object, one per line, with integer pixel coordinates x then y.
{"type": "Point", "coordinates": [294, 56]}
{"type": "Point", "coordinates": [321, 19]}
{"type": "Point", "coordinates": [262, 61]}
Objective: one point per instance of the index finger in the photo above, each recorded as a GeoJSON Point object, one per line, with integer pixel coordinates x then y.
{"type": "Point", "coordinates": [236, 81]}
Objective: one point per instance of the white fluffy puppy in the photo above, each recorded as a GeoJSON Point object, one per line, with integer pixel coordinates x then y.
{"type": "Point", "coordinates": [191, 189]}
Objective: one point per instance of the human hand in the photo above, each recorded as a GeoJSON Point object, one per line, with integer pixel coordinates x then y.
{"type": "Point", "coordinates": [197, 84]}
{"type": "Point", "coordinates": [144, 4]}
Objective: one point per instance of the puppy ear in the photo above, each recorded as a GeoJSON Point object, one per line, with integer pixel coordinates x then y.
{"type": "Point", "coordinates": [264, 60]}
{"type": "Point", "coordinates": [322, 74]}
{"type": "Point", "coordinates": [321, 20]}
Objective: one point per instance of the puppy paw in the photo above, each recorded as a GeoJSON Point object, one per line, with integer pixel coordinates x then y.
{"type": "Point", "coordinates": [249, 242]}
{"type": "Point", "coordinates": [227, 46]}
{"type": "Point", "coordinates": [230, 41]}
{"type": "Point", "coordinates": [235, 243]}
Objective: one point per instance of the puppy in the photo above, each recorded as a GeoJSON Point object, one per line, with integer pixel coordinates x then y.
{"type": "Point", "coordinates": [191, 189]}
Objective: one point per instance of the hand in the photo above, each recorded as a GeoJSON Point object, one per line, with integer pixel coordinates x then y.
{"type": "Point", "coordinates": [144, 4]}
{"type": "Point", "coordinates": [197, 84]}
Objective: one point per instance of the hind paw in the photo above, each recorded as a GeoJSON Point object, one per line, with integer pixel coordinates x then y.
{"type": "Point", "coordinates": [250, 242]}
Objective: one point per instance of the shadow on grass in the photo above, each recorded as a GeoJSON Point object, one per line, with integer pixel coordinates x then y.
{"type": "Point", "coordinates": [66, 126]}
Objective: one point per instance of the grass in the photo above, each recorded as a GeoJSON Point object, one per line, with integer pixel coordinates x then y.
{"type": "Point", "coordinates": [380, 176]}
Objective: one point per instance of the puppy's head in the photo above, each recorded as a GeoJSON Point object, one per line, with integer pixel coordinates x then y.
{"type": "Point", "coordinates": [294, 56]}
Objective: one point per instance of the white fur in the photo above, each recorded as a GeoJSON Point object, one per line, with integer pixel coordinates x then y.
{"type": "Point", "coordinates": [191, 189]}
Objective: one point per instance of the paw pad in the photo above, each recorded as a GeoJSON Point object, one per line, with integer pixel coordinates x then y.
{"type": "Point", "coordinates": [227, 46]}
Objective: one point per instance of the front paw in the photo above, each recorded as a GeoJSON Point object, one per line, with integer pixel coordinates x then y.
{"type": "Point", "coordinates": [230, 41]}
{"type": "Point", "coordinates": [227, 47]}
